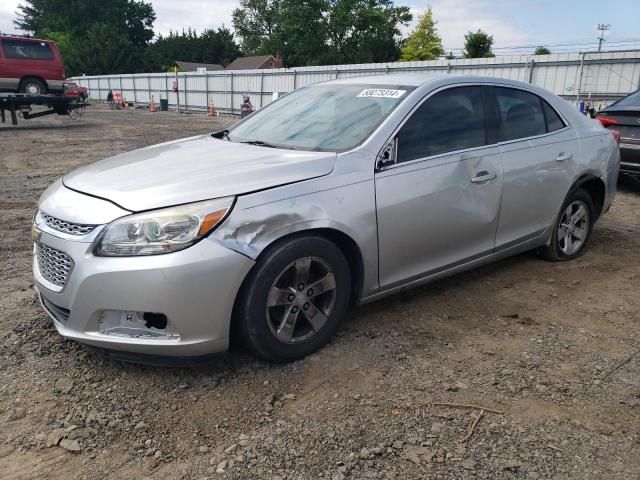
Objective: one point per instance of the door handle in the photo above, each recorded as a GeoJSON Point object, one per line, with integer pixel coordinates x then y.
{"type": "Point", "coordinates": [563, 156]}
{"type": "Point", "coordinates": [483, 176]}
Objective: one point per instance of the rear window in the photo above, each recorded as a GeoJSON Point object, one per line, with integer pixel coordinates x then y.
{"type": "Point", "coordinates": [554, 122]}
{"type": "Point", "coordinates": [25, 50]}
{"type": "Point", "coordinates": [521, 114]}
{"type": "Point", "coordinates": [632, 100]}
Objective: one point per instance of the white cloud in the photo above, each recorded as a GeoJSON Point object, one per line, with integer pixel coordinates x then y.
{"type": "Point", "coordinates": [197, 14]}
{"type": "Point", "coordinates": [170, 14]}
{"type": "Point", "coordinates": [7, 15]}
{"type": "Point", "coordinates": [457, 17]}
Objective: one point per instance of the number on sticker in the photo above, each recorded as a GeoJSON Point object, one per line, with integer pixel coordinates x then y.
{"type": "Point", "coordinates": [381, 93]}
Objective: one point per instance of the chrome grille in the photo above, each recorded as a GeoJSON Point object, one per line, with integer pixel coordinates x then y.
{"type": "Point", "coordinates": [54, 265]}
{"type": "Point", "coordinates": [67, 227]}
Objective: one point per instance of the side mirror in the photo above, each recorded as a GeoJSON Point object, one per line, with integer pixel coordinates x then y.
{"type": "Point", "coordinates": [388, 155]}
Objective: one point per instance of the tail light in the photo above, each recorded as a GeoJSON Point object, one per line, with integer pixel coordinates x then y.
{"type": "Point", "coordinates": [606, 122]}
{"type": "Point", "coordinates": [616, 135]}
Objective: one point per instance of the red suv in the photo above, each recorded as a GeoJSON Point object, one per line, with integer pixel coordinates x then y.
{"type": "Point", "coordinates": [30, 65]}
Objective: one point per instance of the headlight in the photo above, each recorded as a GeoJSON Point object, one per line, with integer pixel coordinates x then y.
{"type": "Point", "coordinates": [161, 231]}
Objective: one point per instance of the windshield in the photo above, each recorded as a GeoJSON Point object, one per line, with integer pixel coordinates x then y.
{"type": "Point", "coordinates": [321, 117]}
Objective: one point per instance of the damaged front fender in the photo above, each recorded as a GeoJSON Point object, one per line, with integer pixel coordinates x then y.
{"type": "Point", "coordinates": [346, 209]}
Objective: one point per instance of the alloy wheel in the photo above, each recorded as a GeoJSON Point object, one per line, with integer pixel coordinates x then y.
{"type": "Point", "coordinates": [301, 300]}
{"type": "Point", "coordinates": [573, 227]}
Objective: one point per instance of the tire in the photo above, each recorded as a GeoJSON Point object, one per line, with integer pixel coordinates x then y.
{"type": "Point", "coordinates": [32, 86]}
{"type": "Point", "coordinates": [570, 238]}
{"type": "Point", "coordinates": [276, 303]}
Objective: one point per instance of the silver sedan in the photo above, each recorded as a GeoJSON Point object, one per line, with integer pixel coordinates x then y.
{"type": "Point", "coordinates": [337, 194]}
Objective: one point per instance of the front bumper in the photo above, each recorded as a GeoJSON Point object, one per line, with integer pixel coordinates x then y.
{"type": "Point", "coordinates": [195, 288]}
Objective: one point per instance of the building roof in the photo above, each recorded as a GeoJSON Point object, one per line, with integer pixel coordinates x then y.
{"type": "Point", "coordinates": [249, 63]}
{"type": "Point", "coordinates": [193, 66]}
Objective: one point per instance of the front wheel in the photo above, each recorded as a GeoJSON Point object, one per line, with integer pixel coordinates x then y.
{"type": "Point", "coordinates": [572, 229]}
{"type": "Point", "coordinates": [294, 299]}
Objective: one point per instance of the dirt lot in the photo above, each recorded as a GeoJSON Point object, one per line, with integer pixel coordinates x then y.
{"type": "Point", "coordinates": [553, 347]}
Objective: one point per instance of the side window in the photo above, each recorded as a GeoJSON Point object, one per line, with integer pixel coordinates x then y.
{"type": "Point", "coordinates": [520, 114]}
{"type": "Point", "coordinates": [451, 120]}
{"type": "Point", "coordinates": [26, 50]}
{"type": "Point", "coordinates": [554, 122]}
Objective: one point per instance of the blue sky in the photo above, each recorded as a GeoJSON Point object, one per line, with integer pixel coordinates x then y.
{"type": "Point", "coordinates": [513, 23]}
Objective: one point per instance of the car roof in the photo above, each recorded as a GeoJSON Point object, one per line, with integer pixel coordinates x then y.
{"type": "Point", "coordinates": [26, 38]}
{"type": "Point", "coordinates": [419, 79]}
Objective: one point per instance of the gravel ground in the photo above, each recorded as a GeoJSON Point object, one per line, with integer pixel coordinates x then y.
{"type": "Point", "coordinates": [553, 348]}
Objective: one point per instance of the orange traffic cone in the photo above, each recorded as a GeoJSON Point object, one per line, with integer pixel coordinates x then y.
{"type": "Point", "coordinates": [152, 105]}
{"type": "Point", "coordinates": [212, 111]}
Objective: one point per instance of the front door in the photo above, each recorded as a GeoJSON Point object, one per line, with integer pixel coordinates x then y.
{"type": "Point", "coordinates": [438, 204]}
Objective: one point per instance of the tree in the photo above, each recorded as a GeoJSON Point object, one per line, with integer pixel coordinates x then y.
{"type": "Point", "coordinates": [104, 50]}
{"type": "Point", "coordinates": [423, 43]}
{"type": "Point", "coordinates": [321, 32]}
{"type": "Point", "coordinates": [254, 21]}
{"type": "Point", "coordinates": [478, 45]}
{"type": "Point", "coordinates": [212, 46]}
{"type": "Point", "coordinates": [361, 31]}
{"type": "Point", "coordinates": [542, 51]}
{"type": "Point", "coordinates": [83, 27]}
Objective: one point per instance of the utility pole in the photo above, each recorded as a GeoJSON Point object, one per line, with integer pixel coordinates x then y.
{"type": "Point", "coordinates": [602, 27]}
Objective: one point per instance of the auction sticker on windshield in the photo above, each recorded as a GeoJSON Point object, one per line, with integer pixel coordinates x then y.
{"type": "Point", "coordinates": [381, 93]}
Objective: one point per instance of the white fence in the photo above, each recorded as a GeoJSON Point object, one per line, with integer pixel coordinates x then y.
{"type": "Point", "coordinates": [602, 76]}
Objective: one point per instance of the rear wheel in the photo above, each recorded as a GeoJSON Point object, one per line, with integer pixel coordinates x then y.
{"type": "Point", "coordinates": [294, 299]}
{"type": "Point", "coordinates": [573, 228]}
{"type": "Point", "coordinates": [32, 86]}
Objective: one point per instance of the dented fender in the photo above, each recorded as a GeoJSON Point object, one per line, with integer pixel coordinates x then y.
{"type": "Point", "coordinates": [262, 218]}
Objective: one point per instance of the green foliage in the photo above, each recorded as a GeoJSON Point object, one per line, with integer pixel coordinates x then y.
{"type": "Point", "coordinates": [423, 43]}
{"type": "Point", "coordinates": [94, 36]}
{"type": "Point", "coordinates": [212, 46]}
{"type": "Point", "coordinates": [478, 45]}
{"type": "Point", "coordinates": [115, 36]}
{"type": "Point", "coordinates": [321, 32]}
{"type": "Point", "coordinates": [542, 51]}
{"type": "Point", "coordinates": [104, 50]}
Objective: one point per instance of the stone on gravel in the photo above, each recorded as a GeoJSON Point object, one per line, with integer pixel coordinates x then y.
{"type": "Point", "coordinates": [221, 466]}
{"type": "Point", "coordinates": [17, 413]}
{"type": "Point", "coordinates": [139, 426]}
{"type": "Point", "coordinates": [437, 427]}
{"type": "Point", "coordinates": [71, 445]}
{"type": "Point", "coordinates": [63, 385]}
{"type": "Point", "coordinates": [468, 464]}
{"type": "Point", "coordinates": [54, 437]}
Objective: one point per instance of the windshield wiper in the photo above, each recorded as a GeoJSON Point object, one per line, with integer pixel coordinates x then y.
{"type": "Point", "coordinates": [260, 143]}
{"type": "Point", "coordinates": [224, 133]}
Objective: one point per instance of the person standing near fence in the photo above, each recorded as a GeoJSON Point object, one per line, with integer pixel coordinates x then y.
{"type": "Point", "coordinates": [246, 108]}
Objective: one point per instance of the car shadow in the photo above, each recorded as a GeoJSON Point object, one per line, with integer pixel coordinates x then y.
{"type": "Point", "coordinates": [69, 126]}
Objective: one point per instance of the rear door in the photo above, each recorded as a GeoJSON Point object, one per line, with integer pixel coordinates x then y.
{"type": "Point", "coordinates": [539, 152]}
{"type": "Point", "coordinates": [438, 204]}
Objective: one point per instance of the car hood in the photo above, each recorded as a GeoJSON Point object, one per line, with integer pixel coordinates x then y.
{"type": "Point", "coordinates": [194, 169]}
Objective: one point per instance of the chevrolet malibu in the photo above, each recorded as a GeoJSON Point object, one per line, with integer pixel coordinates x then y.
{"type": "Point", "coordinates": [335, 195]}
